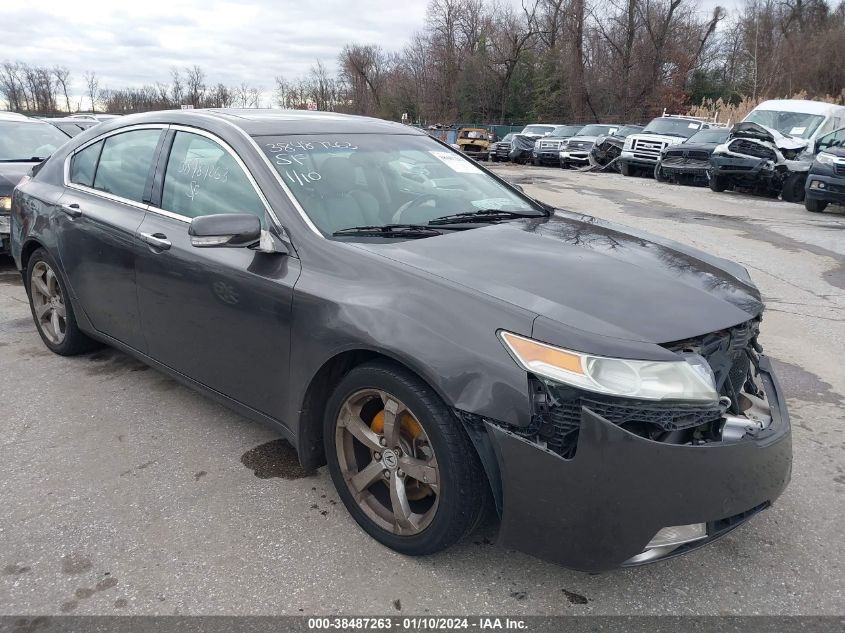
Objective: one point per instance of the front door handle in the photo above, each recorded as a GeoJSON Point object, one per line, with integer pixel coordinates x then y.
{"type": "Point", "coordinates": [71, 210]}
{"type": "Point", "coordinates": [156, 240]}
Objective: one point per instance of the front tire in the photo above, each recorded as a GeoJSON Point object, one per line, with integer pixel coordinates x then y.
{"type": "Point", "coordinates": [717, 183]}
{"type": "Point", "coordinates": [626, 169]}
{"type": "Point", "coordinates": [793, 188]}
{"type": "Point", "coordinates": [658, 174]}
{"type": "Point", "coordinates": [51, 308]}
{"type": "Point", "coordinates": [815, 206]}
{"type": "Point", "coordinates": [401, 462]}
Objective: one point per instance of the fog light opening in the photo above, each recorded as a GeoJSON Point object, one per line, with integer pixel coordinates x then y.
{"type": "Point", "coordinates": [678, 535]}
{"type": "Point", "coordinates": [669, 539]}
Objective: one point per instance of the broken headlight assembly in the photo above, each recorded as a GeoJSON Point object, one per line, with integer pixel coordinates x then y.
{"type": "Point", "coordinates": [825, 159]}
{"type": "Point", "coordinates": [690, 379]}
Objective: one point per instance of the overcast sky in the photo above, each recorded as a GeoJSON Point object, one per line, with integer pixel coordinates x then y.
{"type": "Point", "coordinates": [137, 42]}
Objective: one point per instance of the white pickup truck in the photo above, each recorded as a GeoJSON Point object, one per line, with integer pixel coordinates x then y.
{"type": "Point", "coordinates": [641, 152]}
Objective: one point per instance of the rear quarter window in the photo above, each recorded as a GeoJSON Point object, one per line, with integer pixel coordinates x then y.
{"type": "Point", "coordinates": [83, 165]}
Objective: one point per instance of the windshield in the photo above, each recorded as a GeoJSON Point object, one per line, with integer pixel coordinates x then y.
{"type": "Point", "coordinates": [717, 135]}
{"type": "Point", "coordinates": [597, 130]}
{"type": "Point", "coordinates": [349, 180]}
{"type": "Point", "coordinates": [566, 130]}
{"type": "Point", "coordinates": [673, 127]}
{"type": "Point", "coordinates": [26, 140]}
{"type": "Point", "coordinates": [508, 137]}
{"type": "Point", "coordinates": [790, 123]}
{"type": "Point", "coordinates": [627, 130]}
{"type": "Point", "coordinates": [540, 130]}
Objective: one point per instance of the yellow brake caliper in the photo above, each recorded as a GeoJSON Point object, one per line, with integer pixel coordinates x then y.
{"type": "Point", "coordinates": [410, 431]}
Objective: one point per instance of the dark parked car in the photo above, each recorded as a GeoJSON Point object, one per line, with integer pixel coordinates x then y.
{"type": "Point", "coordinates": [608, 147]}
{"type": "Point", "coordinates": [826, 178]}
{"type": "Point", "coordinates": [575, 151]}
{"type": "Point", "coordinates": [688, 162]}
{"type": "Point", "coordinates": [547, 149]}
{"type": "Point", "coordinates": [523, 142]}
{"type": "Point", "coordinates": [439, 339]}
{"type": "Point", "coordinates": [500, 149]}
{"type": "Point", "coordinates": [761, 160]}
{"type": "Point", "coordinates": [23, 143]}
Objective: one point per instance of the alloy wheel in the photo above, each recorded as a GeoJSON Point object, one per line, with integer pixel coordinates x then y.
{"type": "Point", "coordinates": [387, 462]}
{"type": "Point", "coordinates": [48, 303]}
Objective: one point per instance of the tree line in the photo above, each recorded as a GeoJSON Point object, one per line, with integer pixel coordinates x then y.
{"type": "Point", "coordinates": [547, 60]}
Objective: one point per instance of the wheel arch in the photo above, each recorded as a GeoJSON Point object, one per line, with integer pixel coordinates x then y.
{"type": "Point", "coordinates": [31, 245]}
{"type": "Point", "coordinates": [320, 387]}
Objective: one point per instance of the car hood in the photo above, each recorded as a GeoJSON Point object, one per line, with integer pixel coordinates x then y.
{"type": "Point", "coordinates": [665, 138]}
{"type": "Point", "coordinates": [590, 275]}
{"type": "Point", "coordinates": [759, 132]}
{"type": "Point", "coordinates": [591, 139]}
{"type": "Point", "coordinates": [707, 147]}
{"type": "Point", "coordinates": [836, 151]}
{"type": "Point", "coordinates": [618, 141]}
{"type": "Point", "coordinates": [11, 174]}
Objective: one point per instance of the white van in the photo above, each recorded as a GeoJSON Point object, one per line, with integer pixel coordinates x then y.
{"type": "Point", "coordinates": [800, 118]}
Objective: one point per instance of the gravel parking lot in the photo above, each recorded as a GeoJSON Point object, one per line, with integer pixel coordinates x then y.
{"type": "Point", "coordinates": [124, 492]}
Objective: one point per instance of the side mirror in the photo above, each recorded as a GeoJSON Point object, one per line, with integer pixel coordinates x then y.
{"type": "Point", "coordinates": [226, 229]}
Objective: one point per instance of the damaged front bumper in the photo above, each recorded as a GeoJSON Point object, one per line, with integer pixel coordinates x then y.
{"type": "Point", "coordinates": [747, 170]}
{"type": "Point", "coordinates": [601, 508]}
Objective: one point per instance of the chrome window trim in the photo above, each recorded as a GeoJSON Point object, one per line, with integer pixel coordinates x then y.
{"type": "Point", "coordinates": [294, 202]}
{"type": "Point", "coordinates": [102, 137]}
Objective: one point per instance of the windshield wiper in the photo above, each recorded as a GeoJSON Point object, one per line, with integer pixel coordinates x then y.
{"type": "Point", "coordinates": [483, 215]}
{"type": "Point", "coordinates": [34, 159]}
{"type": "Point", "coordinates": [390, 230]}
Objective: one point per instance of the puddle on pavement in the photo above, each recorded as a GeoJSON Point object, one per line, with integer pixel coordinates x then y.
{"type": "Point", "coordinates": [275, 459]}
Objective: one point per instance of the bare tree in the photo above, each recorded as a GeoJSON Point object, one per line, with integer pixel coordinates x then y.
{"type": "Point", "coordinates": [62, 76]}
{"type": "Point", "coordinates": [177, 90]}
{"type": "Point", "coordinates": [92, 84]}
{"type": "Point", "coordinates": [195, 85]}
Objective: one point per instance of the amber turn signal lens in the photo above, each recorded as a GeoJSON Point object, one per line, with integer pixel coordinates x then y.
{"type": "Point", "coordinates": [530, 352]}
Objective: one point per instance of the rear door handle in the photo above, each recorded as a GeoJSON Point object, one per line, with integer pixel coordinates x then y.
{"type": "Point", "coordinates": [156, 240]}
{"type": "Point", "coordinates": [72, 210]}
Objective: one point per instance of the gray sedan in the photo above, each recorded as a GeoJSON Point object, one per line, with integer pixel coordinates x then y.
{"type": "Point", "coordinates": [443, 342]}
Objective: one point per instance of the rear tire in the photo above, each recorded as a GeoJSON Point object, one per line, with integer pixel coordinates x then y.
{"type": "Point", "coordinates": [356, 441]}
{"type": "Point", "coordinates": [52, 309]}
{"type": "Point", "coordinates": [717, 183]}
{"type": "Point", "coordinates": [814, 206]}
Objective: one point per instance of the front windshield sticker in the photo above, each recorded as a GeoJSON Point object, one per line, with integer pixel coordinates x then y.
{"type": "Point", "coordinates": [456, 163]}
{"type": "Point", "coordinates": [797, 131]}
{"type": "Point", "coordinates": [694, 126]}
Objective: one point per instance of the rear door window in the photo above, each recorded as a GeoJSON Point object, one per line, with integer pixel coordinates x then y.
{"type": "Point", "coordinates": [125, 163]}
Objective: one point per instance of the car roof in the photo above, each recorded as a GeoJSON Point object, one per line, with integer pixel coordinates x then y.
{"type": "Point", "coordinates": [803, 106]}
{"type": "Point", "coordinates": [12, 116]}
{"type": "Point", "coordinates": [272, 122]}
